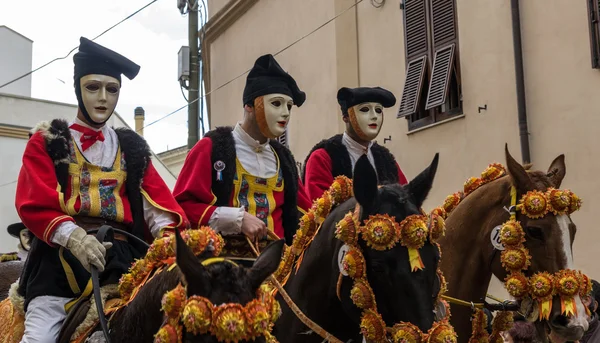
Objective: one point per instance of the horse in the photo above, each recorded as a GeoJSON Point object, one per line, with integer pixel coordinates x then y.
{"type": "Point", "coordinates": [401, 294]}
{"type": "Point", "coordinates": [9, 273]}
{"type": "Point", "coordinates": [470, 258]}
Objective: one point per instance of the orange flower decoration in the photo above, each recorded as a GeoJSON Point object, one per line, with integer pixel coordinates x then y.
{"type": "Point", "coordinates": [259, 318]}
{"type": "Point", "coordinates": [372, 326]}
{"type": "Point", "coordinates": [585, 284]}
{"type": "Point", "coordinates": [308, 224]}
{"type": "Point", "coordinates": [560, 201]}
{"type": "Point", "coordinates": [406, 333]}
{"type": "Point", "coordinates": [517, 285]}
{"type": "Point", "coordinates": [442, 332]}
{"type": "Point", "coordinates": [381, 232]}
{"type": "Point", "coordinates": [534, 204]}
{"type": "Point", "coordinates": [197, 315]}
{"type": "Point", "coordinates": [452, 201]}
{"type": "Point", "coordinates": [567, 283]}
{"type": "Point", "coordinates": [229, 323]}
{"type": "Point", "coordinates": [286, 264]}
{"type": "Point", "coordinates": [341, 189]}
{"type": "Point", "coordinates": [493, 172]}
{"type": "Point", "coordinates": [299, 242]}
{"type": "Point", "coordinates": [512, 234]}
{"type": "Point", "coordinates": [167, 334]}
{"type": "Point", "coordinates": [323, 205]}
{"type": "Point", "coordinates": [541, 286]}
{"type": "Point", "coordinates": [472, 184]}
{"type": "Point", "coordinates": [516, 259]}
{"type": "Point", "coordinates": [437, 225]}
{"type": "Point", "coordinates": [346, 229]}
{"type": "Point", "coordinates": [576, 202]}
{"type": "Point", "coordinates": [413, 231]}
{"type": "Point", "coordinates": [362, 294]}
{"type": "Point", "coordinates": [173, 301]}
{"type": "Point", "coordinates": [439, 211]}
{"type": "Point", "coordinates": [354, 263]}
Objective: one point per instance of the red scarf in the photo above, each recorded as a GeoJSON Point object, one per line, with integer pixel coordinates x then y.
{"type": "Point", "coordinates": [88, 137]}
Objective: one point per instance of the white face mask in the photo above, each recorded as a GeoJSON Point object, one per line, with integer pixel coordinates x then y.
{"type": "Point", "coordinates": [366, 119]}
{"type": "Point", "coordinates": [273, 120]}
{"type": "Point", "coordinates": [100, 94]}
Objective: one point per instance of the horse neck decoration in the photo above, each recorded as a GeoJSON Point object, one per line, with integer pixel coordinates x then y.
{"type": "Point", "coordinates": [532, 219]}
{"type": "Point", "coordinates": [245, 312]}
{"type": "Point", "coordinates": [339, 280]}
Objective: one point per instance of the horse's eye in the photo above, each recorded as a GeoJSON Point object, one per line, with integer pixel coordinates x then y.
{"type": "Point", "coordinates": [535, 232]}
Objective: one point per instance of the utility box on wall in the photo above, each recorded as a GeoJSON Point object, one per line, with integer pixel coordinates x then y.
{"type": "Point", "coordinates": [183, 68]}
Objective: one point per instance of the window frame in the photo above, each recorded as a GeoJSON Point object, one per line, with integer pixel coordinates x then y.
{"type": "Point", "coordinates": [593, 11]}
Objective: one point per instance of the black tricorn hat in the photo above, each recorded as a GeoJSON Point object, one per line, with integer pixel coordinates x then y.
{"type": "Point", "coordinates": [15, 229]}
{"type": "Point", "coordinates": [348, 97]}
{"type": "Point", "coordinates": [267, 77]}
{"type": "Point", "coordinates": [93, 58]}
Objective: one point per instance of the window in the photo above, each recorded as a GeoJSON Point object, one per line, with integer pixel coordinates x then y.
{"type": "Point", "coordinates": [432, 87]}
{"type": "Point", "coordinates": [594, 16]}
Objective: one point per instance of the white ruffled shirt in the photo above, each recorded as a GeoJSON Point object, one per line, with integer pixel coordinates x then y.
{"type": "Point", "coordinates": [103, 153]}
{"type": "Point", "coordinates": [258, 159]}
{"type": "Point", "coordinates": [356, 150]}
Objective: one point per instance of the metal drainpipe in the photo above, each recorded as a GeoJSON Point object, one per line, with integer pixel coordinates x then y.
{"type": "Point", "coordinates": [520, 82]}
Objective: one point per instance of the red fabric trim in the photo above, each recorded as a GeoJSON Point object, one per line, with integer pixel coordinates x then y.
{"type": "Point", "coordinates": [319, 175]}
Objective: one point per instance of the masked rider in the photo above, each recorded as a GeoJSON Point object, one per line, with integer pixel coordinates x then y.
{"type": "Point", "coordinates": [241, 180]}
{"type": "Point", "coordinates": [79, 176]}
{"type": "Point", "coordinates": [362, 111]}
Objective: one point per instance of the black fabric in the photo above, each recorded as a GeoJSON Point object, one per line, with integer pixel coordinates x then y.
{"type": "Point", "coordinates": [267, 77]}
{"type": "Point", "coordinates": [93, 58]}
{"type": "Point", "coordinates": [385, 163]}
{"type": "Point", "coordinates": [348, 97]}
{"type": "Point", "coordinates": [223, 150]}
{"type": "Point", "coordinates": [137, 156]}
{"type": "Point", "coordinates": [15, 229]}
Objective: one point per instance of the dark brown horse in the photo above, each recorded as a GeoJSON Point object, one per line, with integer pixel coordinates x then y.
{"type": "Point", "coordinates": [470, 259]}
{"type": "Point", "coordinates": [401, 295]}
{"type": "Point", "coordinates": [9, 273]}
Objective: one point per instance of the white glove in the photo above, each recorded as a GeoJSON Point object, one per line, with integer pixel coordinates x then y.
{"type": "Point", "coordinates": [87, 249]}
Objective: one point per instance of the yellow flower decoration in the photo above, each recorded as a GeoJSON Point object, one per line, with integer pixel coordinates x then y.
{"type": "Point", "coordinates": [493, 172]}
{"type": "Point", "coordinates": [560, 201]}
{"type": "Point", "coordinates": [437, 225]}
{"type": "Point", "coordinates": [259, 318]}
{"type": "Point", "coordinates": [354, 263]}
{"type": "Point", "coordinates": [197, 315]}
{"type": "Point", "coordinates": [567, 283]}
{"type": "Point", "coordinates": [472, 184]}
{"type": "Point", "coordinates": [229, 323]}
{"type": "Point", "coordinates": [381, 232]}
{"type": "Point", "coordinates": [439, 211]}
{"type": "Point", "coordinates": [346, 229]}
{"type": "Point", "coordinates": [406, 333]}
{"type": "Point", "coordinates": [512, 234]}
{"type": "Point", "coordinates": [308, 225]}
{"type": "Point", "coordinates": [323, 205]}
{"type": "Point", "coordinates": [299, 242]}
{"type": "Point", "coordinates": [534, 204]}
{"type": "Point", "coordinates": [541, 286]}
{"type": "Point", "coordinates": [442, 332]}
{"type": "Point", "coordinates": [585, 284]}
{"type": "Point", "coordinates": [413, 231]}
{"type": "Point", "coordinates": [286, 264]}
{"type": "Point", "coordinates": [173, 301]}
{"type": "Point", "coordinates": [515, 259]}
{"type": "Point", "coordinates": [452, 201]}
{"type": "Point", "coordinates": [275, 310]}
{"type": "Point", "coordinates": [341, 189]}
{"type": "Point", "coordinates": [372, 326]}
{"type": "Point", "coordinates": [517, 285]}
{"type": "Point", "coordinates": [362, 295]}
{"type": "Point", "coordinates": [576, 202]}
{"type": "Point", "coordinates": [167, 334]}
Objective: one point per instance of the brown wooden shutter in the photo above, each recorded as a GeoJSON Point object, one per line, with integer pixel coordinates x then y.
{"type": "Point", "coordinates": [443, 17]}
{"type": "Point", "coordinates": [415, 32]}
{"type": "Point", "coordinates": [283, 138]}
{"type": "Point", "coordinates": [594, 24]}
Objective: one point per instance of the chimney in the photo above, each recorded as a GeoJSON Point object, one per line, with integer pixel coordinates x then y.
{"type": "Point", "coordinates": [139, 114]}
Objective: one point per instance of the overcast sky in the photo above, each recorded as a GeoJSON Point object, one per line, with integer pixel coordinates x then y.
{"type": "Point", "coordinates": [151, 39]}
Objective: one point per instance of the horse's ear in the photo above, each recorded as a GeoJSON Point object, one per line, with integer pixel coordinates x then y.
{"type": "Point", "coordinates": [365, 183]}
{"type": "Point", "coordinates": [519, 175]}
{"type": "Point", "coordinates": [557, 171]}
{"type": "Point", "coordinates": [194, 273]}
{"type": "Point", "coordinates": [420, 186]}
{"type": "Point", "coordinates": [266, 263]}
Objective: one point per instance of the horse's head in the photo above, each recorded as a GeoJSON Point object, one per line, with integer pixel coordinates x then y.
{"type": "Point", "coordinates": [401, 294]}
{"type": "Point", "coordinates": [223, 282]}
{"type": "Point", "coordinates": [549, 240]}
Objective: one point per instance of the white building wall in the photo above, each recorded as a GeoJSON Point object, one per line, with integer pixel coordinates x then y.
{"type": "Point", "coordinates": [27, 112]}
{"type": "Point", "coordinates": [16, 60]}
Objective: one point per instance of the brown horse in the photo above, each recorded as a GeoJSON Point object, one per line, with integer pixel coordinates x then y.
{"type": "Point", "coordinates": [401, 295]}
{"type": "Point", "coordinates": [470, 259]}
{"type": "Point", "coordinates": [9, 273]}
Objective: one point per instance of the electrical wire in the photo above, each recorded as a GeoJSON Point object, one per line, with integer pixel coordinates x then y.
{"type": "Point", "coordinates": [75, 48]}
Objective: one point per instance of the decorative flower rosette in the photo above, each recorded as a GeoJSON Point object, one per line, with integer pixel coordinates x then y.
{"type": "Point", "coordinates": [493, 172]}
{"type": "Point", "coordinates": [471, 185]}
{"type": "Point", "coordinates": [534, 204]}
{"type": "Point", "coordinates": [407, 333]}
{"type": "Point", "coordinates": [322, 206]}
{"type": "Point", "coordinates": [354, 263]}
{"type": "Point", "coordinates": [585, 284]}
{"type": "Point", "coordinates": [576, 202]}
{"type": "Point", "coordinates": [413, 235]}
{"type": "Point", "coordinates": [502, 322]}
{"type": "Point", "coordinates": [567, 284]}
{"type": "Point", "coordinates": [517, 285]}
{"type": "Point", "coordinates": [362, 295]}
{"type": "Point", "coordinates": [347, 229]}
{"type": "Point", "coordinates": [372, 326]}
{"type": "Point", "coordinates": [452, 201]}
{"type": "Point", "coordinates": [381, 232]}
{"type": "Point", "coordinates": [437, 224]}
{"type": "Point", "coordinates": [441, 332]}
{"type": "Point", "coordinates": [515, 259]}
{"type": "Point", "coordinates": [197, 315]}
{"type": "Point", "coordinates": [479, 325]}
{"type": "Point", "coordinates": [341, 189]}
{"type": "Point", "coordinates": [512, 234]}
{"type": "Point", "coordinates": [560, 201]}
{"type": "Point", "coordinates": [541, 286]}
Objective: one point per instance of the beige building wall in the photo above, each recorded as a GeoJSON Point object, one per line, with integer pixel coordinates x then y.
{"type": "Point", "coordinates": [365, 47]}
